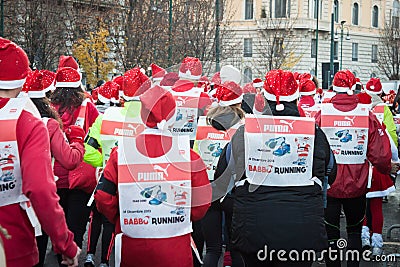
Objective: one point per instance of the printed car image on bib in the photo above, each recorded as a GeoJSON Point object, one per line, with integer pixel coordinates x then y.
{"type": "Point", "coordinates": [279, 150]}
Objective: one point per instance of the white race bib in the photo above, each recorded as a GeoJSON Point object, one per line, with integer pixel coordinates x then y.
{"type": "Point", "coordinates": [279, 150]}
{"type": "Point", "coordinates": [347, 133]}
{"type": "Point", "coordinates": [154, 193]}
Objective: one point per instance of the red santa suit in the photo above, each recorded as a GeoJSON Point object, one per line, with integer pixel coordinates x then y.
{"type": "Point", "coordinates": [170, 251]}
{"type": "Point", "coordinates": [38, 185]}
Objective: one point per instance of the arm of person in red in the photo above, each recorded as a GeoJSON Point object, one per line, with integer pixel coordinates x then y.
{"type": "Point", "coordinates": [379, 152]}
{"type": "Point", "coordinates": [201, 188]}
{"type": "Point", "coordinates": [106, 191]}
{"type": "Point", "coordinates": [38, 183]}
{"type": "Point", "coordinates": [68, 155]}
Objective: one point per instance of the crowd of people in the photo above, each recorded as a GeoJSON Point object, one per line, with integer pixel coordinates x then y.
{"type": "Point", "coordinates": [180, 169]}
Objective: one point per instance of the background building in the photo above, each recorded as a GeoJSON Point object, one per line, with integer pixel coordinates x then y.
{"type": "Point", "coordinates": [282, 34]}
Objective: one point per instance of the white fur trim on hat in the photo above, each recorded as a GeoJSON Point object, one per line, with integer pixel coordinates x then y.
{"type": "Point", "coordinates": [36, 94]}
{"type": "Point", "coordinates": [373, 92]}
{"type": "Point", "coordinates": [188, 75]}
{"type": "Point", "coordinates": [115, 101]}
{"type": "Point", "coordinates": [340, 89]}
{"type": "Point", "coordinates": [68, 84]}
{"type": "Point", "coordinates": [103, 99]}
{"type": "Point", "coordinates": [130, 98]}
{"type": "Point", "coordinates": [259, 84]}
{"type": "Point", "coordinates": [289, 98]}
{"type": "Point", "coordinates": [51, 87]}
{"type": "Point", "coordinates": [12, 84]}
{"type": "Point", "coordinates": [231, 102]}
{"type": "Point", "coordinates": [313, 92]}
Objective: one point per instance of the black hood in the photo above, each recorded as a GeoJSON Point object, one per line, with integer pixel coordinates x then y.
{"type": "Point", "coordinates": [289, 110]}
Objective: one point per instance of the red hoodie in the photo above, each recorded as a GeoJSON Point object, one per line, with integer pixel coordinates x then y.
{"type": "Point", "coordinates": [69, 118]}
{"type": "Point", "coordinates": [174, 251]}
{"type": "Point", "coordinates": [38, 185]}
{"type": "Point", "coordinates": [351, 180]}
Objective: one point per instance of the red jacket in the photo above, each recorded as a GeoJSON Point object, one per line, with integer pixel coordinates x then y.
{"type": "Point", "coordinates": [68, 155]}
{"type": "Point", "coordinates": [305, 101]}
{"type": "Point", "coordinates": [173, 251]}
{"type": "Point", "coordinates": [69, 118]}
{"type": "Point", "coordinates": [351, 179]}
{"type": "Point", "coordinates": [38, 185]}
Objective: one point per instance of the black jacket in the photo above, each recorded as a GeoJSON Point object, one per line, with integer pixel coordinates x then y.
{"type": "Point", "coordinates": [280, 217]}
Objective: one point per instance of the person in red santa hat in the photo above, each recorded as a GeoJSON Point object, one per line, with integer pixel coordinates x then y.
{"type": "Point", "coordinates": [69, 61]}
{"type": "Point", "coordinates": [74, 186]}
{"type": "Point", "coordinates": [153, 242]}
{"type": "Point", "coordinates": [157, 73]}
{"type": "Point", "coordinates": [270, 212]}
{"type": "Point", "coordinates": [358, 139]}
{"type": "Point", "coordinates": [69, 155]}
{"type": "Point", "coordinates": [381, 184]}
{"type": "Point", "coordinates": [107, 96]}
{"type": "Point", "coordinates": [104, 134]}
{"type": "Point", "coordinates": [225, 116]}
{"type": "Point", "coordinates": [33, 177]}
{"type": "Point", "coordinates": [307, 90]}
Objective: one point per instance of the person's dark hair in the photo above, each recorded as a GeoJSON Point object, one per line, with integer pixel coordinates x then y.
{"type": "Point", "coordinates": [45, 109]}
{"type": "Point", "coordinates": [67, 98]}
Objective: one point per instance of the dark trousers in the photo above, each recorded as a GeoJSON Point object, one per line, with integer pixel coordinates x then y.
{"type": "Point", "coordinates": [354, 210]}
{"type": "Point", "coordinates": [96, 221]}
{"type": "Point", "coordinates": [41, 242]}
{"type": "Point", "coordinates": [74, 202]}
{"type": "Point", "coordinates": [212, 231]}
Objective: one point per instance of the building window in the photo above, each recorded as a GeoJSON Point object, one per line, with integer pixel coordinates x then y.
{"type": "Point", "coordinates": [395, 14]}
{"type": "Point", "coordinates": [375, 16]}
{"type": "Point", "coordinates": [280, 8]}
{"type": "Point", "coordinates": [354, 52]}
{"type": "Point", "coordinates": [336, 10]}
{"type": "Point", "coordinates": [278, 46]}
{"type": "Point", "coordinates": [315, 12]}
{"type": "Point", "coordinates": [355, 14]}
{"type": "Point", "coordinates": [248, 9]}
{"type": "Point", "coordinates": [335, 50]}
{"type": "Point", "coordinates": [313, 48]}
{"type": "Point", "coordinates": [248, 47]}
{"type": "Point", "coordinates": [248, 75]}
{"type": "Point", "coordinates": [374, 54]}
{"type": "Point", "coordinates": [263, 13]}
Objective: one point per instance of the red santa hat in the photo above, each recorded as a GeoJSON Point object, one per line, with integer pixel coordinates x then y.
{"type": "Point", "coordinates": [109, 92]}
{"type": "Point", "coordinates": [169, 80]}
{"type": "Point", "coordinates": [374, 86]}
{"type": "Point", "coordinates": [119, 80]}
{"type": "Point", "coordinates": [229, 93]}
{"type": "Point", "coordinates": [182, 86]}
{"type": "Point", "coordinates": [344, 81]}
{"type": "Point", "coordinates": [190, 68]}
{"type": "Point", "coordinates": [158, 108]}
{"type": "Point", "coordinates": [95, 94]}
{"type": "Point", "coordinates": [68, 77]}
{"type": "Point", "coordinates": [68, 61]}
{"type": "Point", "coordinates": [249, 88]}
{"type": "Point", "coordinates": [38, 83]}
{"type": "Point", "coordinates": [280, 86]}
{"type": "Point", "coordinates": [157, 73]}
{"type": "Point", "coordinates": [257, 83]}
{"type": "Point", "coordinates": [14, 65]}
{"type": "Point", "coordinates": [134, 84]}
{"type": "Point", "coordinates": [320, 91]}
{"type": "Point", "coordinates": [229, 73]}
{"type": "Point", "coordinates": [306, 85]}
{"type": "Point", "coordinates": [216, 78]}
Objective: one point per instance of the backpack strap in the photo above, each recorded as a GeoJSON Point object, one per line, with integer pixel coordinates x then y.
{"type": "Point", "coordinates": [329, 169]}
